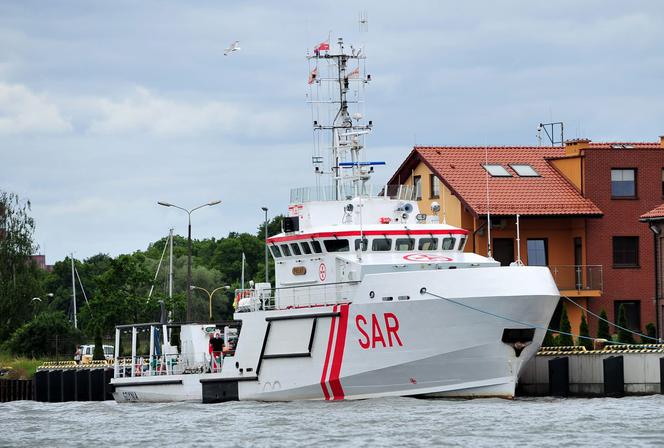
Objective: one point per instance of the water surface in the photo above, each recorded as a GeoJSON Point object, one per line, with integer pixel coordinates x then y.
{"type": "Point", "coordinates": [394, 422]}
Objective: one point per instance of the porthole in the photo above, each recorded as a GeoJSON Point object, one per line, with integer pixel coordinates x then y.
{"type": "Point", "coordinates": [404, 297]}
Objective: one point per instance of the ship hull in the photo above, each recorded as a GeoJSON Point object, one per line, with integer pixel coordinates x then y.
{"type": "Point", "coordinates": [407, 343]}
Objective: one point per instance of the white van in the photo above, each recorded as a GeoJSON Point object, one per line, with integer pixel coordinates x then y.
{"type": "Point", "coordinates": [88, 350]}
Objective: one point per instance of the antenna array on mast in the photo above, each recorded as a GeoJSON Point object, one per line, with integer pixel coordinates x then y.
{"type": "Point", "coordinates": [337, 81]}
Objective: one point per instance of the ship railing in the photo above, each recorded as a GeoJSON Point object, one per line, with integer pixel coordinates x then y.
{"type": "Point", "coordinates": [349, 191]}
{"type": "Point", "coordinates": [171, 364]}
{"type": "Point", "coordinates": [578, 277]}
{"type": "Point", "coordinates": [165, 365]}
{"type": "Point", "coordinates": [300, 296]}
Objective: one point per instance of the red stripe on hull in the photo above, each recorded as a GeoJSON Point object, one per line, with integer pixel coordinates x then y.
{"type": "Point", "coordinates": [327, 356]}
{"type": "Point", "coordinates": [335, 384]}
{"type": "Point", "coordinates": [304, 236]}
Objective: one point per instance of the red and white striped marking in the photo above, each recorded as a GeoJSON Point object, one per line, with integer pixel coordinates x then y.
{"type": "Point", "coordinates": [336, 344]}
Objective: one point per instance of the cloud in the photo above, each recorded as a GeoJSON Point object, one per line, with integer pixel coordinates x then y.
{"type": "Point", "coordinates": [143, 111]}
{"type": "Point", "coordinates": [22, 111]}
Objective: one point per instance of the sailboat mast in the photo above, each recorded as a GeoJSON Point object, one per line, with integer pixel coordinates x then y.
{"type": "Point", "coordinates": [170, 264]}
{"type": "Point", "coordinates": [73, 290]}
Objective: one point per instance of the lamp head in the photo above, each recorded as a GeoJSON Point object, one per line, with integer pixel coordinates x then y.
{"type": "Point", "coordinates": [213, 203]}
{"type": "Point", "coordinates": [165, 204]}
{"type": "Point", "coordinates": [264, 209]}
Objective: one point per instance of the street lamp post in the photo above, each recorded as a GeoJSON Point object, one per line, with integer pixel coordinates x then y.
{"type": "Point", "coordinates": [210, 294]}
{"type": "Point", "coordinates": [267, 277]}
{"type": "Point", "coordinates": [189, 212]}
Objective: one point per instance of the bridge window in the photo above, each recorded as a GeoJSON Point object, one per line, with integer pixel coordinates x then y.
{"type": "Point", "coordinates": [296, 249]}
{"type": "Point", "coordinates": [285, 250]}
{"type": "Point", "coordinates": [427, 244]}
{"type": "Point", "coordinates": [305, 247]}
{"type": "Point", "coordinates": [336, 245]}
{"type": "Point", "coordinates": [462, 242]}
{"type": "Point", "coordinates": [275, 251]}
{"type": "Point", "coordinates": [404, 244]}
{"type": "Point", "coordinates": [448, 243]}
{"type": "Point", "coordinates": [315, 245]}
{"type": "Point", "coordinates": [381, 244]}
{"type": "Point", "coordinates": [365, 244]}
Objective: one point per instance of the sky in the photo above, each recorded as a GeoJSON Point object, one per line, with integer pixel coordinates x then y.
{"type": "Point", "coordinates": [107, 107]}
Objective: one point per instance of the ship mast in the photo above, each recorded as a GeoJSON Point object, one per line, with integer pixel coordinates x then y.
{"type": "Point", "coordinates": [345, 76]}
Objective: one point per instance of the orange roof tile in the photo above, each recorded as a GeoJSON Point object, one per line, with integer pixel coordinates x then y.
{"type": "Point", "coordinates": [656, 213]}
{"type": "Point", "coordinates": [461, 170]}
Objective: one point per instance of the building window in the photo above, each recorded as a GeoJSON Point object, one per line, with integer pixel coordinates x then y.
{"type": "Point", "coordinates": [625, 251]}
{"type": "Point", "coordinates": [632, 313]}
{"type": "Point", "coordinates": [524, 170]}
{"type": "Point", "coordinates": [537, 255]}
{"type": "Point", "coordinates": [417, 187]}
{"type": "Point", "coordinates": [623, 183]}
{"type": "Point", "coordinates": [434, 186]}
{"type": "Point", "coordinates": [497, 170]}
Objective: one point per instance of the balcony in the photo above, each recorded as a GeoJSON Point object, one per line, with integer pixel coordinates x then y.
{"type": "Point", "coordinates": [579, 280]}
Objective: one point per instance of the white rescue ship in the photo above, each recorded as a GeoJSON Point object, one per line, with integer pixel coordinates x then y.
{"type": "Point", "coordinates": [373, 297]}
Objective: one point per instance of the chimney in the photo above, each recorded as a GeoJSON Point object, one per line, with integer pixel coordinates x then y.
{"type": "Point", "coordinates": [576, 145]}
{"type": "Point", "coordinates": [661, 141]}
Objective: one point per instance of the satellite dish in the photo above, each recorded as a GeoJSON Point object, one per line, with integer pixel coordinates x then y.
{"type": "Point", "coordinates": [435, 207]}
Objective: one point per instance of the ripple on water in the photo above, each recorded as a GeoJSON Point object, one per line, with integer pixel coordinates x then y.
{"type": "Point", "coordinates": [394, 422]}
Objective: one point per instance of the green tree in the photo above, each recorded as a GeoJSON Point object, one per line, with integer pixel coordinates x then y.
{"type": "Point", "coordinates": [49, 333]}
{"type": "Point", "coordinates": [19, 276]}
{"type": "Point", "coordinates": [565, 327]}
{"type": "Point", "coordinates": [98, 353]}
{"type": "Point", "coordinates": [624, 335]}
{"type": "Point", "coordinates": [603, 327]}
{"type": "Point", "coordinates": [583, 331]}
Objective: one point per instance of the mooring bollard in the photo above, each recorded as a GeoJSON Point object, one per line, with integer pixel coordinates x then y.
{"type": "Point", "coordinates": [559, 377]}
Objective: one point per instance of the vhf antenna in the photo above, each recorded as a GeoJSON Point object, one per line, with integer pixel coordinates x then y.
{"type": "Point", "coordinates": [549, 130]}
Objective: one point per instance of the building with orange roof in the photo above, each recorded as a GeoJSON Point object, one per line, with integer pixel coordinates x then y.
{"type": "Point", "coordinates": [655, 220]}
{"type": "Point", "coordinates": [578, 207]}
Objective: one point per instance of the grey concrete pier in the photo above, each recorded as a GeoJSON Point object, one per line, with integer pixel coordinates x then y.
{"type": "Point", "coordinates": [613, 371]}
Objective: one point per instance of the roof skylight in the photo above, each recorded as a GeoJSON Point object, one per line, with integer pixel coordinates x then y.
{"type": "Point", "coordinates": [497, 170]}
{"type": "Point", "coordinates": [524, 170]}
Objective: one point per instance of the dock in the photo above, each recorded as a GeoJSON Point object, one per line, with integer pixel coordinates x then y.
{"type": "Point", "coordinates": [617, 370]}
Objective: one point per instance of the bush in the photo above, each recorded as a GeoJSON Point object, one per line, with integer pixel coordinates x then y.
{"type": "Point", "coordinates": [624, 336]}
{"type": "Point", "coordinates": [549, 339]}
{"type": "Point", "coordinates": [48, 334]}
{"type": "Point", "coordinates": [565, 327]}
{"type": "Point", "coordinates": [603, 327]}
{"type": "Point", "coordinates": [651, 331]}
{"type": "Point", "coordinates": [583, 331]}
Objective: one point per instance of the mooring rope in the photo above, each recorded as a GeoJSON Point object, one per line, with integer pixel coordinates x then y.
{"type": "Point", "coordinates": [528, 324]}
{"type": "Point", "coordinates": [609, 322]}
